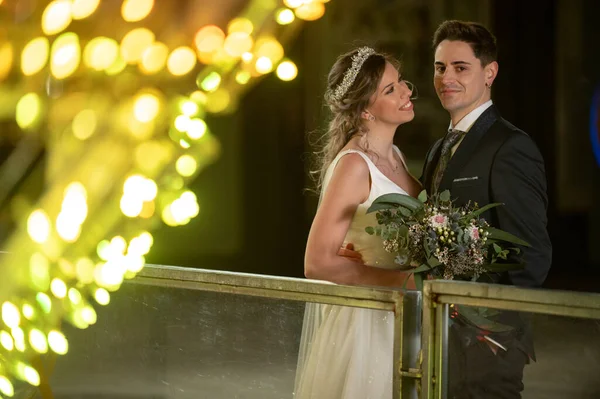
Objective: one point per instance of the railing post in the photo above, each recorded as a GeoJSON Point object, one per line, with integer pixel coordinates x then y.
{"type": "Point", "coordinates": [398, 342]}
{"type": "Point", "coordinates": [427, 343]}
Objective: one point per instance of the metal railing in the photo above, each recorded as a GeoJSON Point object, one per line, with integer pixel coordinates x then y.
{"type": "Point", "coordinates": [404, 304]}
{"type": "Point", "coordinates": [420, 329]}
{"type": "Point", "coordinates": [439, 294]}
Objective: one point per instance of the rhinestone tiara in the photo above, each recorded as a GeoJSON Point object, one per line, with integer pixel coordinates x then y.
{"type": "Point", "coordinates": [358, 60]}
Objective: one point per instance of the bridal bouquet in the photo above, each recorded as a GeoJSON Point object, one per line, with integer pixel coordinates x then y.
{"type": "Point", "coordinates": [432, 237]}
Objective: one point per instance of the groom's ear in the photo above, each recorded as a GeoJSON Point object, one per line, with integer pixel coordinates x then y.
{"type": "Point", "coordinates": [491, 71]}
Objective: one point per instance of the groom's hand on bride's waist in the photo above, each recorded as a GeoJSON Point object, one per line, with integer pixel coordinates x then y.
{"type": "Point", "coordinates": [349, 252]}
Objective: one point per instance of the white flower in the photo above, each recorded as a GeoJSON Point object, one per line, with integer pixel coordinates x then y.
{"type": "Point", "coordinates": [438, 221]}
{"type": "Point", "coordinates": [472, 232]}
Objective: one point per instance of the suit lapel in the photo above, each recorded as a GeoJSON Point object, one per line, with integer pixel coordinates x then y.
{"type": "Point", "coordinates": [465, 150]}
{"type": "Point", "coordinates": [430, 164]}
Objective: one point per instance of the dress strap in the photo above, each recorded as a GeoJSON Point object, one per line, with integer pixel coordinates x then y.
{"type": "Point", "coordinates": [335, 161]}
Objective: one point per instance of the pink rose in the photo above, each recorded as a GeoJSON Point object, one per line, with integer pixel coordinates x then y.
{"type": "Point", "coordinates": [473, 233]}
{"type": "Point", "coordinates": [438, 221]}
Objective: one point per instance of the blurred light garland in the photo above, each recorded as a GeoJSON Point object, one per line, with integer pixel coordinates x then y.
{"type": "Point", "coordinates": [117, 163]}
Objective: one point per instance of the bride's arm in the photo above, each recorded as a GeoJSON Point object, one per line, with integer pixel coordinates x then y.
{"type": "Point", "coordinates": [348, 188]}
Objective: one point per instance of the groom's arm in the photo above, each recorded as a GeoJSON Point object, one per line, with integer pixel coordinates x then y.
{"type": "Point", "coordinates": [518, 180]}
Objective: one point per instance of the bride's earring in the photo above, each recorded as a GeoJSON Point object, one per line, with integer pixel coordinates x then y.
{"type": "Point", "coordinates": [368, 116]}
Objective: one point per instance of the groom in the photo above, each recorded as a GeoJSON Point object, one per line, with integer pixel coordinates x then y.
{"type": "Point", "coordinates": [485, 159]}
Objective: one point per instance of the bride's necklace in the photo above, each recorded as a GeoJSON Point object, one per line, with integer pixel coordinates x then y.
{"type": "Point", "coordinates": [393, 168]}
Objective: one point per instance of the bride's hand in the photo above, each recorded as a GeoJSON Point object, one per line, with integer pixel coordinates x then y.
{"type": "Point", "coordinates": [349, 252]}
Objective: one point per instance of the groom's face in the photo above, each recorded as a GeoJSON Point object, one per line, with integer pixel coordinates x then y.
{"type": "Point", "coordinates": [459, 78]}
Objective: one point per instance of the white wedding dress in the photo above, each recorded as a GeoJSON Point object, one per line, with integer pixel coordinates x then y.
{"type": "Point", "coordinates": [346, 352]}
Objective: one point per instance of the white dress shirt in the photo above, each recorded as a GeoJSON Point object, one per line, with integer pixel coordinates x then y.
{"type": "Point", "coordinates": [468, 120]}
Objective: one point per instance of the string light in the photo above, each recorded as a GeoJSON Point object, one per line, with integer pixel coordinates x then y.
{"type": "Point", "coordinates": [150, 142]}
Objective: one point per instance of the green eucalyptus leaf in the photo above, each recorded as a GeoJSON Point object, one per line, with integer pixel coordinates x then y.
{"type": "Point", "coordinates": [445, 196]}
{"type": "Point", "coordinates": [500, 235]}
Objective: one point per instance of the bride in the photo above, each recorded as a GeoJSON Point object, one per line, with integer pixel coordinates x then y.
{"type": "Point", "coordinates": [345, 352]}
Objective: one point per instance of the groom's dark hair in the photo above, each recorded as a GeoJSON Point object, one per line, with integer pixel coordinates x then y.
{"type": "Point", "coordinates": [481, 40]}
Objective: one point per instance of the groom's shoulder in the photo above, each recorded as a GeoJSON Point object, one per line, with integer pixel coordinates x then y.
{"type": "Point", "coordinates": [510, 137]}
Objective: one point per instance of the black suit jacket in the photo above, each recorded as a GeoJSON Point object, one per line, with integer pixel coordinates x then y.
{"type": "Point", "coordinates": [497, 162]}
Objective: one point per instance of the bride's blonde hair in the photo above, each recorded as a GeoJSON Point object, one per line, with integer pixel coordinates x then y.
{"type": "Point", "coordinates": [346, 110]}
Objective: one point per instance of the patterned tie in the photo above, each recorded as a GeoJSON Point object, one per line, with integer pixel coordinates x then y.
{"type": "Point", "coordinates": [450, 141]}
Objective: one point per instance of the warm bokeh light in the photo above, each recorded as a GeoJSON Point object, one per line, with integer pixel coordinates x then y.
{"type": "Point", "coordinates": [66, 228]}
{"type": "Point", "coordinates": [6, 341]}
{"type": "Point", "coordinates": [6, 387]}
{"type": "Point", "coordinates": [38, 341]}
{"type": "Point", "coordinates": [10, 315]}
{"type": "Point", "coordinates": [28, 110]}
{"type": "Point", "coordinates": [211, 82]}
{"type": "Point", "coordinates": [6, 59]}
{"type": "Point", "coordinates": [218, 101]}
{"type": "Point", "coordinates": [146, 107]}
{"type": "Point", "coordinates": [119, 65]}
{"type": "Point", "coordinates": [136, 10]}
{"type": "Point", "coordinates": [247, 57]}
{"type": "Point", "coordinates": [84, 124]}
{"type": "Point", "coordinates": [287, 71]}
{"type": "Point", "coordinates": [209, 39]}
{"type": "Point", "coordinates": [135, 43]}
{"type": "Point", "coordinates": [310, 11]}
{"type": "Point", "coordinates": [180, 211]}
{"type": "Point", "coordinates": [75, 296]}
{"type": "Point", "coordinates": [189, 108]}
{"type": "Point", "coordinates": [35, 56]}
{"type": "Point", "coordinates": [154, 58]}
{"type": "Point", "coordinates": [186, 165]}
{"type": "Point", "coordinates": [141, 244]}
{"type": "Point", "coordinates": [269, 47]}
{"type": "Point", "coordinates": [285, 16]}
{"type": "Point", "coordinates": [264, 65]}
{"type": "Point", "coordinates": [56, 17]}
{"type": "Point", "coordinates": [39, 271]}
{"type": "Point", "coordinates": [238, 43]}
{"type": "Point", "coordinates": [242, 25]}
{"type": "Point", "coordinates": [28, 311]}
{"type": "Point", "coordinates": [182, 122]}
{"type": "Point", "coordinates": [100, 53]}
{"type": "Point", "coordinates": [181, 61]}
{"type": "Point", "coordinates": [294, 3]}
{"type": "Point", "coordinates": [28, 373]}
{"type": "Point", "coordinates": [130, 206]}
{"type": "Point", "coordinates": [38, 226]}
{"type": "Point", "coordinates": [65, 55]}
{"type": "Point", "coordinates": [196, 129]}
{"type": "Point", "coordinates": [57, 342]}
{"type": "Point", "coordinates": [84, 270]}
{"type": "Point", "coordinates": [44, 302]}
{"type": "Point", "coordinates": [118, 245]}
{"type": "Point", "coordinates": [120, 119]}
{"type": "Point", "coordinates": [58, 288]}
{"type": "Point", "coordinates": [19, 337]}
{"type": "Point", "coordinates": [73, 212]}
{"type": "Point", "coordinates": [81, 9]}
{"type": "Point", "coordinates": [102, 296]}
{"type": "Point", "coordinates": [243, 77]}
